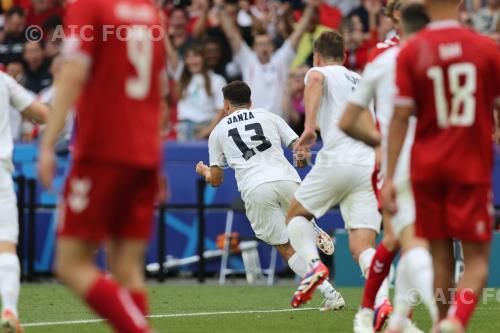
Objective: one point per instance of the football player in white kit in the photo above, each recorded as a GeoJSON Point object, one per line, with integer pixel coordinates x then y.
{"type": "Point", "coordinates": [250, 142]}
{"type": "Point", "coordinates": [343, 169]}
{"type": "Point", "coordinates": [15, 96]}
{"type": "Point", "coordinates": [415, 267]}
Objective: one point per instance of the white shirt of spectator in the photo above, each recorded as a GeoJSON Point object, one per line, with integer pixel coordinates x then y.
{"type": "Point", "coordinates": [378, 84]}
{"type": "Point", "coordinates": [11, 95]}
{"type": "Point", "coordinates": [264, 166]}
{"type": "Point", "coordinates": [338, 86]}
{"type": "Point", "coordinates": [196, 105]}
{"type": "Point", "coordinates": [267, 81]}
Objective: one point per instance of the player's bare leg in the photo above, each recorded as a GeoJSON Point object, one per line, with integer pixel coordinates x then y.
{"type": "Point", "coordinates": [443, 261]}
{"type": "Point", "coordinates": [476, 256]}
{"type": "Point", "coordinates": [9, 287]}
{"type": "Point", "coordinates": [375, 305]}
{"type": "Point", "coordinates": [414, 275]}
{"type": "Point", "coordinates": [303, 238]}
{"type": "Point", "coordinates": [75, 267]}
{"type": "Point", "coordinates": [126, 261]}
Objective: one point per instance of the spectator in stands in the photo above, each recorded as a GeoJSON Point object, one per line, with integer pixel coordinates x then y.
{"type": "Point", "coordinates": [38, 74]}
{"type": "Point", "coordinates": [41, 10]}
{"type": "Point", "coordinates": [369, 13]}
{"type": "Point", "coordinates": [293, 102]}
{"type": "Point", "coordinates": [213, 56]}
{"type": "Point", "coordinates": [357, 48]}
{"type": "Point", "coordinates": [345, 6]}
{"type": "Point", "coordinates": [177, 30]}
{"type": "Point", "coordinates": [305, 47]}
{"type": "Point", "coordinates": [199, 93]}
{"type": "Point", "coordinates": [264, 69]}
{"type": "Point", "coordinates": [11, 46]}
{"type": "Point", "coordinates": [486, 19]}
{"type": "Point", "coordinates": [284, 28]}
{"type": "Point", "coordinates": [54, 38]}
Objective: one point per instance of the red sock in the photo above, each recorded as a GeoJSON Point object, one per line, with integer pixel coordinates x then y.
{"type": "Point", "coordinates": [114, 303]}
{"type": "Point", "coordinates": [464, 305]}
{"type": "Point", "coordinates": [379, 269]}
{"type": "Point", "coordinates": [140, 299]}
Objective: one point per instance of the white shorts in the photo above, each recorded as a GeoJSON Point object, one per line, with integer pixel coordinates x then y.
{"type": "Point", "coordinates": [266, 208]}
{"type": "Point", "coordinates": [406, 207]}
{"type": "Point", "coordinates": [345, 184]}
{"type": "Point", "coordinates": [9, 227]}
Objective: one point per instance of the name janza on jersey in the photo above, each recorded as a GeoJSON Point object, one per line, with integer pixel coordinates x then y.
{"type": "Point", "coordinates": [240, 117]}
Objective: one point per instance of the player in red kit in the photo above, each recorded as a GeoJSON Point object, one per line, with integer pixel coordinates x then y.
{"type": "Point", "coordinates": [448, 77]}
{"type": "Point", "coordinates": [114, 71]}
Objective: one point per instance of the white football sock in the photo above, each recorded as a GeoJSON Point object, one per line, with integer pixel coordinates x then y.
{"type": "Point", "coordinates": [10, 271]}
{"type": "Point", "coordinates": [298, 265]}
{"type": "Point", "coordinates": [402, 296]}
{"type": "Point", "coordinates": [326, 288]}
{"type": "Point", "coordinates": [365, 260]}
{"type": "Point", "coordinates": [383, 293]}
{"type": "Point", "coordinates": [303, 238]}
{"type": "Point", "coordinates": [420, 273]}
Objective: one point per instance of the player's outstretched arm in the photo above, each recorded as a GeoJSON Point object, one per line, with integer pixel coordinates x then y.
{"type": "Point", "coordinates": [358, 123]}
{"type": "Point", "coordinates": [68, 88]}
{"type": "Point", "coordinates": [397, 133]}
{"type": "Point", "coordinates": [213, 175]}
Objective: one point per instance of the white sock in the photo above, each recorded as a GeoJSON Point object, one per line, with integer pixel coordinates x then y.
{"type": "Point", "coordinates": [383, 293]}
{"type": "Point", "coordinates": [326, 288]}
{"type": "Point", "coordinates": [298, 265]}
{"type": "Point", "coordinates": [365, 260]}
{"type": "Point", "coordinates": [10, 271]}
{"type": "Point", "coordinates": [402, 304]}
{"type": "Point", "coordinates": [420, 273]}
{"type": "Point", "coordinates": [303, 238]}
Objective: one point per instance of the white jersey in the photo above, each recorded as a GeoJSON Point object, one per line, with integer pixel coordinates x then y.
{"type": "Point", "coordinates": [11, 95]}
{"type": "Point", "coordinates": [379, 83]}
{"type": "Point", "coordinates": [339, 83]}
{"type": "Point", "coordinates": [250, 142]}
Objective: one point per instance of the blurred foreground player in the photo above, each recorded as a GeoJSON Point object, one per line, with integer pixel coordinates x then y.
{"type": "Point", "coordinates": [250, 141]}
{"type": "Point", "coordinates": [116, 80]}
{"type": "Point", "coordinates": [448, 77]}
{"type": "Point", "coordinates": [415, 266]}
{"type": "Point", "coordinates": [12, 95]}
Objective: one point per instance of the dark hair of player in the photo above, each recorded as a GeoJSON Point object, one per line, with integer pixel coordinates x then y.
{"type": "Point", "coordinates": [414, 18]}
{"type": "Point", "coordinates": [330, 45]}
{"type": "Point", "coordinates": [237, 93]}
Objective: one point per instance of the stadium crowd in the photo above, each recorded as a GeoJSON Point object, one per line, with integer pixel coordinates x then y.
{"type": "Point", "coordinates": [266, 43]}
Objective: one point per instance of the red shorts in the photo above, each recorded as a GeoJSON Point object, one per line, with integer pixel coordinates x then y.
{"type": "Point", "coordinates": [377, 183]}
{"type": "Point", "coordinates": [460, 211]}
{"type": "Point", "coordinates": [108, 201]}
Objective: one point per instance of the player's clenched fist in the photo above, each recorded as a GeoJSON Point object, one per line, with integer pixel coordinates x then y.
{"type": "Point", "coordinates": [201, 168]}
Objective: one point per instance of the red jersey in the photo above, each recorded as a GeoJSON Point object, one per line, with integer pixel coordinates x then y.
{"type": "Point", "coordinates": [118, 113]}
{"type": "Point", "coordinates": [450, 75]}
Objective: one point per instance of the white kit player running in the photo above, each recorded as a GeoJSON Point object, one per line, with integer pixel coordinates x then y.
{"type": "Point", "coordinates": [414, 270]}
{"type": "Point", "coordinates": [15, 96]}
{"type": "Point", "coordinates": [343, 169]}
{"type": "Point", "coordinates": [250, 142]}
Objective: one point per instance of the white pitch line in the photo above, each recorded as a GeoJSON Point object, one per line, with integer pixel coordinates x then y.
{"type": "Point", "coordinates": [170, 315]}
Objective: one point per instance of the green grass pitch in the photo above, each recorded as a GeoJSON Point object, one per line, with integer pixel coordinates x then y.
{"type": "Point", "coordinates": [49, 303]}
